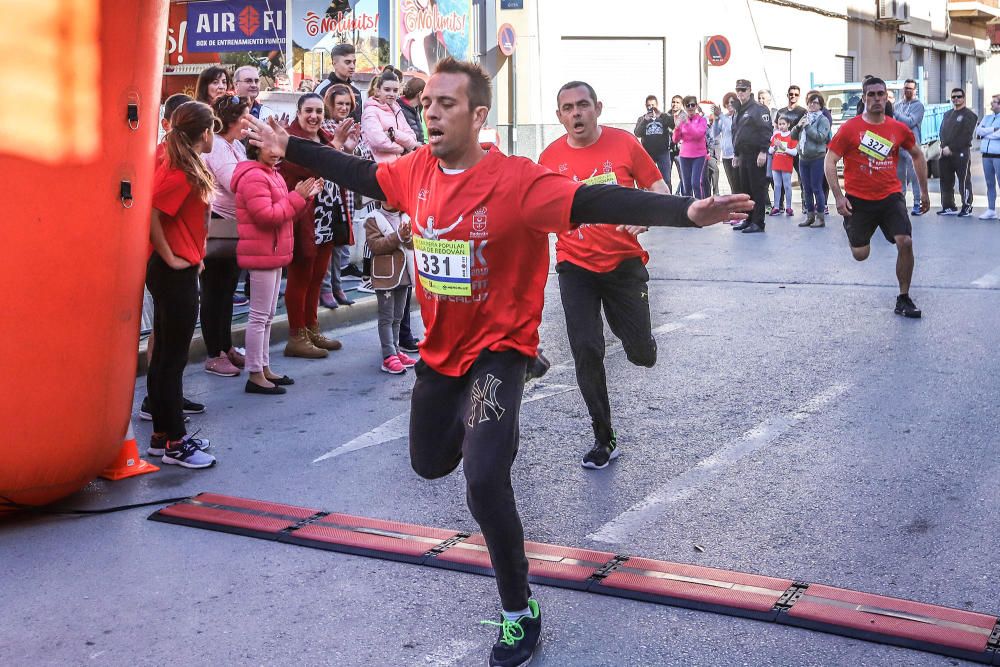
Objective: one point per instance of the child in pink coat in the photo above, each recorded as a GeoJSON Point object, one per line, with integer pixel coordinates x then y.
{"type": "Point", "coordinates": [264, 213]}
{"type": "Point", "coordinates": [383, 124]}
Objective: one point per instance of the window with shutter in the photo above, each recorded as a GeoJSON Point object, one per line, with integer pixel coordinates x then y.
{"type": "Point", "coordinates": [610, 66]}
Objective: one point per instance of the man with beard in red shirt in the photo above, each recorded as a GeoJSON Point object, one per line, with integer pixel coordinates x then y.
{"type": "Point", "coordinates": [870, 145]}
{"type": "Point", "coordinates": [599, 265]}
{"type": "Point", "coordinates": [480, 225]}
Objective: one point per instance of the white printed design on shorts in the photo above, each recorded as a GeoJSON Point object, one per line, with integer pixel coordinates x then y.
{"type": "Point", "coordinates": [484, 400]}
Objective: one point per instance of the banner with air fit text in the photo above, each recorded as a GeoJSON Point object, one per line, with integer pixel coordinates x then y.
{"type": "Point", "coordinates": [242, 25]}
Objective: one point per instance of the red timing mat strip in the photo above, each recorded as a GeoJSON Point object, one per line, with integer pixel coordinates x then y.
{"type": "Point", "coordinates": [926, 627]}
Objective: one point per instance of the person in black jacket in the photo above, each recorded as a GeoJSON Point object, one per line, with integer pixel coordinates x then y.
{"type": "Point", "coordinates": [344, 62]}
{"type": "Point", "coordinates": [409, 104]}
{"type": "Point", "coordinates": [751, 138]}
{"type": "Point", "coordinates": [655, 129]}
{"type": "Point", "coordinates": [957, 128]}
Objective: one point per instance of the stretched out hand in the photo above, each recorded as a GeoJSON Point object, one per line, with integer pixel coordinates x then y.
{"type": "Point", "coordinates": [705, 212]}
{"type": "Point", "coordinates": [269, 136]}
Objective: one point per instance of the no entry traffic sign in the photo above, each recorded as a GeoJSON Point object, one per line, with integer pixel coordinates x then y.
{"type": "Point", "coordinates": [507, 39]}
{"type": "Point", "coordinates": [717, 50]}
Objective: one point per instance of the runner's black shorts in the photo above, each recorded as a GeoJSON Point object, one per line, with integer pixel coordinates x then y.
{"type": "Point", "coordinates": [887, 214]}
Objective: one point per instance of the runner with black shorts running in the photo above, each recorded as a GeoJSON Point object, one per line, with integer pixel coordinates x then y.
{"type": "Point", "coordinates": [599, 266]}
{"type": "Point", "coordinates": [870, 145]}
{"type": "Point", "coordinates": [481, 221]}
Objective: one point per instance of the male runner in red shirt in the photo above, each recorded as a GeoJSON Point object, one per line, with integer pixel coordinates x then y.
{"type": "Point", "coordinates": [870, 145]}
{"type": "Point", "coordinates": [480, 228]}
{"type": "Point", "coordinates": [599, 265]}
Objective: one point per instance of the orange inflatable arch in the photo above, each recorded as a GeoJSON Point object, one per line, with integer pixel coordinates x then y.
{"type": "Point", "coordinates": [77, 133]}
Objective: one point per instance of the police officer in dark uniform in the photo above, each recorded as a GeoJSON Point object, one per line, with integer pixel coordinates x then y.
{"type": "Point", "coordinates": [751, 137]}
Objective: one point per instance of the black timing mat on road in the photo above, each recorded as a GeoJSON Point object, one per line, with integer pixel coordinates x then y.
{"type": "Point", "coordinates": [926, 627]}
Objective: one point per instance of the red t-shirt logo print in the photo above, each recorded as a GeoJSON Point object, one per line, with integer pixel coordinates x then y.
{"type": "Point", "coordinates": [249, 20]}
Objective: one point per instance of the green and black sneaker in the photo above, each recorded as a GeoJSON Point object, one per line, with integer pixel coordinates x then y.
{"type": "Point", "coordinates": [602, 454]}
{"type": "Point", "coordinates": [518, 639]}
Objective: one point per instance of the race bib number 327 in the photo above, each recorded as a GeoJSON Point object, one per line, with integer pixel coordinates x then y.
{"type": "Point", "coordinates": [444, 267]}
{"type": "Point", "coordinates": [875, 146]}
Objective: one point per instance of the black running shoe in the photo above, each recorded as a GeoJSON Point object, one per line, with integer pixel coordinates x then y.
{"type": "Point", "coordinates": [410, 346]}
{"type": "Point", "coordinates": [146, 415]}
{"type": "Point", "coordinates": [537, 367]}
{"type": "Point", "coordinates": [965, 212]}
{"type": "Point", "coordinates": [906, 307]}
{"type": "Point", "coordinates": [518, 639]}
{"type": "Point", "coordinates": [602, 454]}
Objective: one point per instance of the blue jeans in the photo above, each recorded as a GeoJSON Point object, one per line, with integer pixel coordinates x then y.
{"type": "Point", "coordinates": [692, 170]}
{"type": "Point", "coordinates": [782, 186]}
{"type": "Point", "coordinates": [991, 167]}
{"type": "Point", "coordinates": [908, 174]}
{"type": "Point", "coordinates": [665, 165]}
{"type": "Point", "coordinates": [811, 173]}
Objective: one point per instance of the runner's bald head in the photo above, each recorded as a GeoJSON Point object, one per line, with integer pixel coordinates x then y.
{"type": "Point", "coordinates": [479, 88]}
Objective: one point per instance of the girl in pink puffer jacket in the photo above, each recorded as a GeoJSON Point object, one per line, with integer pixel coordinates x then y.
{"type": "Point", "coordinates": [264, 213]}
{"type": "Point", "coordinates": [383, 125]}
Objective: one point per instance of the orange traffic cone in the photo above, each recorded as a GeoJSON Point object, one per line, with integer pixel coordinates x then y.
{"type": "Point", "coordinates": [128, 463]}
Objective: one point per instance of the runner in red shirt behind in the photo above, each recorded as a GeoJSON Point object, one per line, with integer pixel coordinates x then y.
{"type": "Point", "coordinates": [599, 265]}
{"type": "Point", "coordinates": [870, 145]}
{"type": "Point", "coordinates": [481, 221]}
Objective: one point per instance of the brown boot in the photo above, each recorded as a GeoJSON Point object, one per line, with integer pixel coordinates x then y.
{"type": "Point", "coordinates": [299, 345]}
{"type": "Point", "coordinates": [321, 341]}
{"type": "Point", "coordinates": [820, 222]}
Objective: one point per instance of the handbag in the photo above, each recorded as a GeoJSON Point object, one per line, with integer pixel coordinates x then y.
{"type": "Point", "coordinates": [222, 238]}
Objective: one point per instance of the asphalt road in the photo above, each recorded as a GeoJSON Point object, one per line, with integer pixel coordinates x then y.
{"type": "Point", "coordinates": [793, 426]}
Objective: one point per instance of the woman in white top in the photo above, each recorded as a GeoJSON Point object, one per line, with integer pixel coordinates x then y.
{"type": "Point", "coordinates": [989, 131]}
{"type": "Point", "coordinates": [218, 280]}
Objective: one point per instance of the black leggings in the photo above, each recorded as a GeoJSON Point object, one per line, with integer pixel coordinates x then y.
{"type": "Point", "coordinates": [175, 311]}
{"type": "Point", "coordinates": [475, 417]}
{"type": "Point", "coordinates": [218, 283]}
{"type": "Point", "coordinates": [624, 294]}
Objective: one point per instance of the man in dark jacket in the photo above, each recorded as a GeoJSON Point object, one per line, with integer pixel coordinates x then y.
{"type": "Point", "coordinates": [957, 128]}
{"type": "Point", "coordinates": [751, 138]}
{"type": "Point", "coordinates": [344, 62]}
{"type": "Point", "coordinates": [655, 130]}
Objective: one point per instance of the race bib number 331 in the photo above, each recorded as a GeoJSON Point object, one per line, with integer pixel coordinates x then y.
{"type": "Point", "coordinates": [875, 146]}
{"type": "Point", "coordinates": [444, 267]}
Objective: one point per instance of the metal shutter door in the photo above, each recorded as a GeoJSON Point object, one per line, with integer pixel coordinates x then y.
{"type": "Point", "coordinates": [933, 76]}
{"type": "Point", "coordinates": [622, 71]}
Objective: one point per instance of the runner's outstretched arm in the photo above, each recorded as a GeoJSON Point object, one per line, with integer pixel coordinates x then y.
{"type": "Point", "coordinates": [345, 170]}
{"type": "Point", "coordinates": [615, 205]}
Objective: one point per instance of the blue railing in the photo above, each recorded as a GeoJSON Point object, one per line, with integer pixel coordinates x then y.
{"type": "Point", "coordinates": [930, 128]}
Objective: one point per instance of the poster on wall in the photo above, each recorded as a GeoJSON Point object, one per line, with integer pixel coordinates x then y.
{"type": "Point", "coordinates": [319, 25]}
{"type": "Point", "coordinates": [241, 25]}
{"type": "Point", "coordinates": [430, 30]}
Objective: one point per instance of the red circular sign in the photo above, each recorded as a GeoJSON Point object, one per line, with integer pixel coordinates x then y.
{"type": "Point", "coordinates": [717, 50]}
{"type": "Point", "coordinates": [506, 39]}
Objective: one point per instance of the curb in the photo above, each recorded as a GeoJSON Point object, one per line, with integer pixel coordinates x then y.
{"type": "Point", "coordinates": [363, 310]}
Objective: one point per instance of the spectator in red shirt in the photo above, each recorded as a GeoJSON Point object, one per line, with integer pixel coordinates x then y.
{"type": "Point", "coordinates": [870, 145]}
{"type": "Point", "coordinates": [480, 231]}
{"type": "Point", "coordinates": [182, 189]}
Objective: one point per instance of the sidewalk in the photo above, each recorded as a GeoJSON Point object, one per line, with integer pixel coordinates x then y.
{"type": "Point", "coordinates": [365, 308]}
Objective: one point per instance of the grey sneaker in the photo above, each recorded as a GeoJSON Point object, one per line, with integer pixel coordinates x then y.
{"type": "Point", "coordinates": [188, 455]}
{"type": "Point", "coordinates": [158, 444]}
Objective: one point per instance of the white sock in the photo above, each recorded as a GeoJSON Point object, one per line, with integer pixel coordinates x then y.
{"type": "Point", "coordinates": [514, 615]}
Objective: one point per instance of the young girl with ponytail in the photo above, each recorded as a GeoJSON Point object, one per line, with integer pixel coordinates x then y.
{"type": "Point", "coordinates": [182, 189]}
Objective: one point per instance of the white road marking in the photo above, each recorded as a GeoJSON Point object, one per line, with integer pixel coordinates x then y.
{"type": "Point", "coordinates": [991, 279]}
{"type": "Point", "coordinates": [395, 428]}
{"type": "Point", "coordinates": [454, 652]}
{"type": "Point", "coordinates": [399, 426]}
{"type": "Point", "coordinates": [629, 522]}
